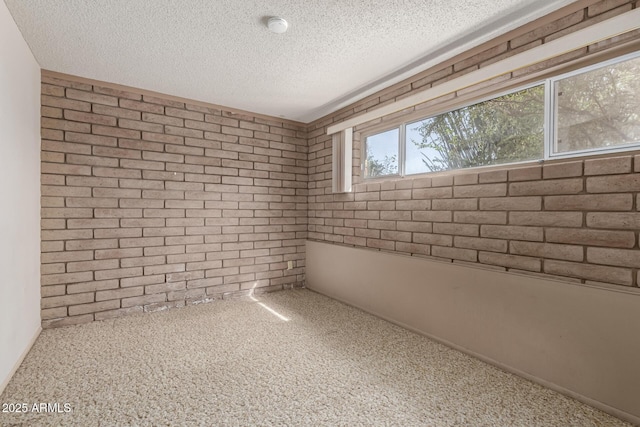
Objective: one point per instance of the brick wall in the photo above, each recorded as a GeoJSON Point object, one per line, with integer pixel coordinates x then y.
{"type": "Point", "coordinates": [150, 203]}
{"type": "Point", "coordinates": [576, 220]}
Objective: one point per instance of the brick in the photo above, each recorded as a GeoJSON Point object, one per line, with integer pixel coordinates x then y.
{"type": "Point", "coordinates": [112, 314]}
{"type": "Point", "coordinates": [62, 169]}
{"type": "Point", "coordinates": [116, 152]}
{"type": "Point", "coordinates": [604, 6]}
{"type": "Point", "coordinates": [481, 190]}
{"type": "Point", "coordinates": [91, 139]}
{"type": "Point", "coordinates": [605, 202]}
{"type": "Point", "coordinates": [142, 126]}
{"type": "Point", "coordinates": [550, 28]}
{"type": "Point", "coordinates": [91, 182]}
{"type": "Point", "coordinates": [560, 219]}
{"type": "Point", "coordinates": [493, 245]}
{"type": "Point", "coordinates": [162, 138]}
{"type": "Point", "coordinates": [608, 166]}
{"type": "Point", "coordinates": [141, 164]}
{"type": "Point", "coordinates": [600, 273]}
{"type": "Point", "coordinates": [142, 281]}
{"type": "Point", "coordinates": [116, 192]}
{"type": "Point", "coordinates": [47, 190]}
{"type": "Point", "coordinates": [492, 176]}
{"type": "Point", "coordinates": [86, 202]}
{"type": "Point", "coordinates": [73, 267]}
{"type": "Point", "coordinates": [562, 170]}
{"type": "Point", "coordinates": [95, 285]}
{"type": "Point", "coordinates": [47, 89]}
{"type": "Point", "coordinates": [163, 157]}
{"type": "Point", "coordinates": [512, 232]}
{"type": "Point", "coordinates": [67, 321]}
{"type": "Point", "coordinates": [66, 300]}
{"type": "Point", "coordinates": [614, 183]}
{"type": "Point", "coordinates": [56, 135]}
{"type": "Point", "coordinates": [438, 216]}
{"type": "Point", "coordinates": [64, 125]}
{"type": "Point", "coordinates": [53, 313]}
{"type": "Point", "coordinates": [455, 204]}
{"type": "Point", "coordinates": [70, 104]}
{"type": "Point", "coordinates": [141, 106]}
{"type": "Point", "coordinates": [510, 261]}
{"type": "Point", "coordinates": [558, 186]}
{"type": "Point", "coordinates": [141, 242]}
{"type": "Point", "coordinates": [66, 213]}
{"type": "Point", "coordinates": [433, 239]}
{"type": "Point", "coordinates": [65, 147]}
{"type": "Point", "coordinates": [111, 233]}
{"type": "Point", "coordinates": [432, 193]}
{"type": "Point", "coordinates": [52, 112]}
{"type": "Point", "coordinates": [92, 223]}
{"type": "Point", "coordinates": [118, 273]}
{"type": "Point", "coordinates": [442, 181]}
{"type": "Point", "coordinates": [480, 217]}
{"type": "Point", "coordinates": [547, 250]}
{"type": "Point", "coordinates": [143, 300]}
{"type": "Point", "coordinates": [526, 174]}
{"type": "Point", "coordinates": [115, 132]}
{"type": "Point", "coordinates": [89, 118]}
{"type": "Point", "coordinates": [116, 112]}
{"type": "Point", "coordinates": [79, 245]}
{"type": "Point", "coordinates": [118, 253]}
{"type": "Point", "coordinates": [66, 256]}
{"type": "Point", "coordinates": [75, 310]}
{"type": "Point", "coordinates": [92, 97]}
{"type": "Point", "coordinates": [119, 293]}
{"type": "Point", "coordinates": [511, 203]}
{"type": "Point", "coordinates": [92, 160]}
{"type": "Point", "coordinates": [614, 220]}
{"type": "Point", "coordinates": [580, 236]}
{"type": "Point", "coordinates": [618, 257]}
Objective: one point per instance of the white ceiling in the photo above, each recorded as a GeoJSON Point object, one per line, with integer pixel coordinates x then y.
{"type": "Point", "coordinates": [220, 51]}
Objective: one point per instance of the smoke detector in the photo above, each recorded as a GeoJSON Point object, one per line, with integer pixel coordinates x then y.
{"type": "Point", "coordinates": [277, 25]}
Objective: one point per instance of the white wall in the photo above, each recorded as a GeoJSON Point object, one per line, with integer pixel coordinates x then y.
{"type": "Point", "coordinates": [19, 196]}
{"type": "Point", "coordinates": [577, 339]}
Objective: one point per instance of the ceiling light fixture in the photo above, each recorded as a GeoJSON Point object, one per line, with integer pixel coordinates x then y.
{"type": "Point", "coordinates": [277, 25]}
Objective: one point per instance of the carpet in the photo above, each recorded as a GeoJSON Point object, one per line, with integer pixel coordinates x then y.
{"type": "Point", "coordinates": [289, 358]}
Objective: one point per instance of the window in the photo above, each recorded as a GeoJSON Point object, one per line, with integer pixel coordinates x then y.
{"type": "Point", "coordinates": [506, 129]}
{"type": "Point", "coordinates": [382, 153]}
{"type": "Point", "coordinates": [595, 109]}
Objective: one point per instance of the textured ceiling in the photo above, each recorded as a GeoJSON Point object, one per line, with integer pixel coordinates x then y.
{"type": "Point", "coordinates": [220, 51]}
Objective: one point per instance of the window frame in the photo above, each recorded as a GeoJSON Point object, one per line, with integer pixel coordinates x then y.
{"type": "Point", "coordinates": [401, 160]}
{"type": "Point", "coordinates": [553, 128]}
{"type": "Point", "coordinates": [549, 126]}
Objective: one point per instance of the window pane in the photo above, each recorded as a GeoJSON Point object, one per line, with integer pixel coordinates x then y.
{"type": "Point", "coordinates": [382, 153]}
{"type": "Point", "coordinates": [506, 129]}
{"type": "Point", "coordinates": [599, 108]}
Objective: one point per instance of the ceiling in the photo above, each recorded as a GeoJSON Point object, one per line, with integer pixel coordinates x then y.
{"type": "Point", "coordinates": [220, 51]}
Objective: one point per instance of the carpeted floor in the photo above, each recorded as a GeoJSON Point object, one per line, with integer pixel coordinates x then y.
{"type": "Point", "coordinates": [240, 363]}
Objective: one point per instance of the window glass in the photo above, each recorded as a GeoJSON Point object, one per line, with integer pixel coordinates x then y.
{"type": "Point", "coordinates": [598, 108]}
{"type": "Point", "coordinates": [506, 129]}
{"type": "Point", "coordinates": [382, 153]}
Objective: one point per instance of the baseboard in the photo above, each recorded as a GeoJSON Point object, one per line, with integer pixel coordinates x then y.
{"type": "Point", "coordinates": [586, 400]}
{"type": "Point", "coordinates": [20, 359]}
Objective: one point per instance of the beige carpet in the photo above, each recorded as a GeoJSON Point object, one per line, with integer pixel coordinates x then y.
{"type": "Point", "coordinates": [238, 363]}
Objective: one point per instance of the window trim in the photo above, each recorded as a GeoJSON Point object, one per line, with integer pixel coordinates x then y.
{"type": "Point", "coordinates": [549, 132]}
